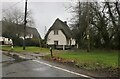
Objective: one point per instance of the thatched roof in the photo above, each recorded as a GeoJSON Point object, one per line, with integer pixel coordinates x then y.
{"type": "Point", "coordinates": [60, 25]}
{"type": "Point", "coordinates": [12, 28]}
{"type": "Point", "coordinates": [33, 31]}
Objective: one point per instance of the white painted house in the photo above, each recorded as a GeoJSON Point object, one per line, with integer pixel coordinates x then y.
{"type": "Point", "coordinates": [5, 41]}
{"type": "Point", "coordinates": [60, 35]}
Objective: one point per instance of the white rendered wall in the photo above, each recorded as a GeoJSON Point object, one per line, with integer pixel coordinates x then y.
{"type": "Point", "coordinates": [73, 42]}
{"type": "Point", "coordinates": [60, 38]}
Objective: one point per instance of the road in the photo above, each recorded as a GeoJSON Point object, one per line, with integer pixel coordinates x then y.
{"type": "Point", "coordinates": [34, 68]}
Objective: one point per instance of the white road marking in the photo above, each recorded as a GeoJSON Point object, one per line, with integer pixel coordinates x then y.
{"type": "Point", "coordinates": [60, 68]}
{"type": "Point", "coordinates": [22, 57]}
{"type": "Point", "coordinates": [64, 69]}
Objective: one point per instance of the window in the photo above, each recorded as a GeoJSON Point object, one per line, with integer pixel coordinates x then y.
{"type": "Point", "coordinates": [55, 32]}
{"type": "Point", "coordinates": [55, 42]}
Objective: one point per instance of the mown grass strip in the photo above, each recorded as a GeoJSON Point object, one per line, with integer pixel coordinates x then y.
{"type": "Point", "coordinates": [28, 49]}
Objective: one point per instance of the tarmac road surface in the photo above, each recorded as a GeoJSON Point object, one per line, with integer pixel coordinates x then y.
{"type": "Point", "coordinates": [34, 68]}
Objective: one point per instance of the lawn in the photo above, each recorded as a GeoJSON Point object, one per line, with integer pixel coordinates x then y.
{"type": "Point", "coordinates": [28, 49]}
{"type": "Point", "coordinates": [92, 60]}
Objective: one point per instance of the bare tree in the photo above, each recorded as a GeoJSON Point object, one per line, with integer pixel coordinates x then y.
{"type": "Point", "coordinates": [14, 20]}
{"type": "Point", "coordinates": [103, 22]}
{"type": "Point", "coordinates": [16, 15]}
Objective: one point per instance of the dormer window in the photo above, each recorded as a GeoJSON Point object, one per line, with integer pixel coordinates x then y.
{"type": "Point", "coordinates": [55, 32]}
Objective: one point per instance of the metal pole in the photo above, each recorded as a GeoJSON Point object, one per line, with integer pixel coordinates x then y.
{"type": "Point", "coordinates": [25, 22]}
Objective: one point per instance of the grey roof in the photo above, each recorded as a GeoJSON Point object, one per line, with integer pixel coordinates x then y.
{"type": "Point", "coordinates": [12, 28]}
{"type": "Point", "coordinates": [33, 31]}
{"type": "Point", "coordinates": [60, 25]}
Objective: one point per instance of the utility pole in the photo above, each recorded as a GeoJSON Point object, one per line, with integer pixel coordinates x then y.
{"type": "Point", "coordinates": [25, 22]}
{"type": "Point", "coordinates": [45, 31]}
{"type": "Point", "coordinates": [87, 29]}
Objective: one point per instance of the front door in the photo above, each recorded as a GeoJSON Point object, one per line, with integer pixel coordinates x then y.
{"type": "Point", "coordinates": [55, 42]}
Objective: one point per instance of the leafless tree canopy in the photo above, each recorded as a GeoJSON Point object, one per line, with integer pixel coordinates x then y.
{"type": "Point", "coordinates": [103, 20]}
{"type": "Point", "coordinates": [16, 15]}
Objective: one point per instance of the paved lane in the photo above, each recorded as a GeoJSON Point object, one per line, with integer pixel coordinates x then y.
{"type": "Point", "coordinates": [32, 68]}
{"type": "Point", "coordinates": [6, 58]}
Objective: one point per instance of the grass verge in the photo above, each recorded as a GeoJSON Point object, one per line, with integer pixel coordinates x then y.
{"type": "Point", "coordinates": [28, 49]}
{"type": "Point", "coordinates": [96, 60]}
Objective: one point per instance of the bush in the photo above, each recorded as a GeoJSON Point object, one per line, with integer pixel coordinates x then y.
{"type": "Point", "coordinates": [17, 41]}
{"type": "Point", "coordinates": [43, 43]}
{"type": "Point", "coordinates": [32, 42]}
{"type": "Point", "coordinates": [28, 42]}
